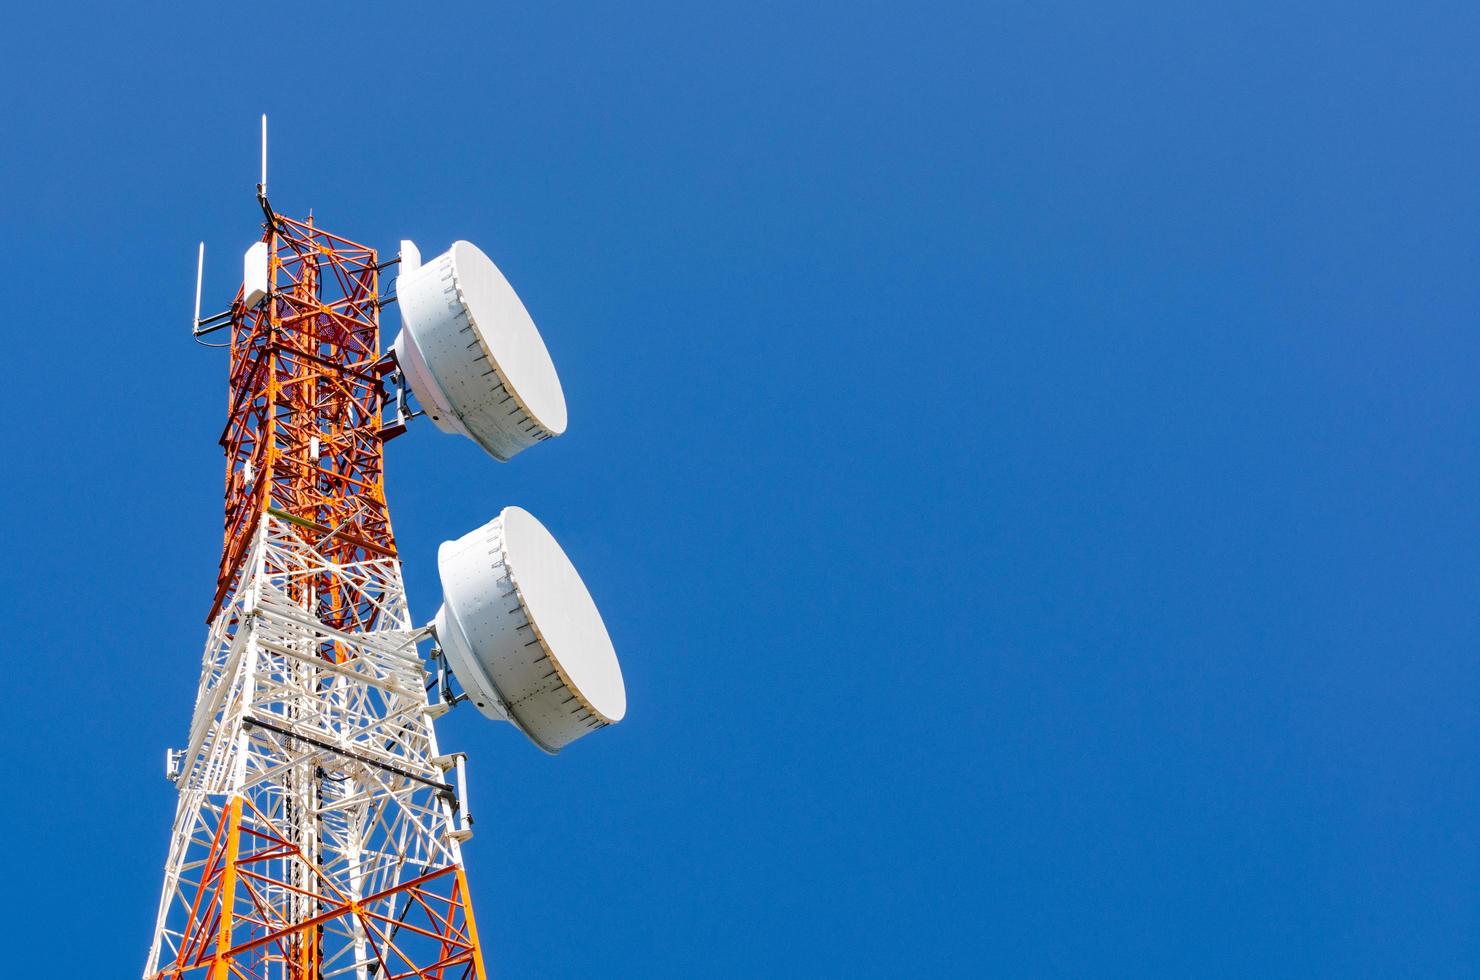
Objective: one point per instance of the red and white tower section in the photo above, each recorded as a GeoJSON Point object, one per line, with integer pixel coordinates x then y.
{"type": "Point", "coordinates": [320, 826]}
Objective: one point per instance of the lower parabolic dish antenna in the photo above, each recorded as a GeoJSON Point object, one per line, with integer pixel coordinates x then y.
{"type": "Point", "coordinates": [472, 355]}
{"type": "Point", "coordinates": [521, 633]}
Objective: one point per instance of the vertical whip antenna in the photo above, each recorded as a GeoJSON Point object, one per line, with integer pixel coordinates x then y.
{"type": "Point", "coordinates": [262, 187]}
{"type": "Point", "coordinates": [200, 268]}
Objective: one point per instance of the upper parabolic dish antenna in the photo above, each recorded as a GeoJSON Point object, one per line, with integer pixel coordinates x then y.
{"type": "Point", "coordinates": [521, 633]}
{"type": "Point", "coordinates": [472, 355]}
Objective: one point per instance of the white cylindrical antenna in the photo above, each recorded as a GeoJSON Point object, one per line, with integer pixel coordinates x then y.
{"type": "Point", "coordinates": [262, 187]}
{"type": "Point", "coordinates": [200, 268]}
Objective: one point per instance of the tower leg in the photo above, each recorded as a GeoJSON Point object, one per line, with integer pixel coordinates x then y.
{"type": "Point", "coordinates": [227, 904]}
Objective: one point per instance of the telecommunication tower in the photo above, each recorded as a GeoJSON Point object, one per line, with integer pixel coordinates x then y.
{"type": "Point", "coordinates": [319, 827]}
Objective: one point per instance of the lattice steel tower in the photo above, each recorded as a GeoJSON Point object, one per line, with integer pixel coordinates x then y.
{"type": "Point", "coordinates": [319, 826]}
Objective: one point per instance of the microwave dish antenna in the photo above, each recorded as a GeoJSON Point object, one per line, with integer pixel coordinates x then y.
{"type": "Point", "coordinates": [472, 355]}
{"type": "Point", "coordinates": [522, 634]}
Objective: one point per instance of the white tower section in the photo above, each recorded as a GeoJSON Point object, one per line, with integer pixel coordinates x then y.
{"type": "Point", "coordinates": [320, 743]}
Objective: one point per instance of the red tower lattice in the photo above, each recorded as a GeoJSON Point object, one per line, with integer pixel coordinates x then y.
{"type": "Point", "coordinates": [303, 432]}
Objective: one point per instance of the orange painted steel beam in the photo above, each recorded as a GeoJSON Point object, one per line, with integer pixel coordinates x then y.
{"type": "Point", "coordinates": [227, 902]}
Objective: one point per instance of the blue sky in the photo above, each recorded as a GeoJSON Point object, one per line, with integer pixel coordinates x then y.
{"type": "Point", "coordinates": [1025, 455]}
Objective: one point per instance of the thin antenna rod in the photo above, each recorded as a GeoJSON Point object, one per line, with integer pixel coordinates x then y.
{"type": "Point", "coordinates": [262, 187]}
{"type": "Point", "coordinates": [200, 268]}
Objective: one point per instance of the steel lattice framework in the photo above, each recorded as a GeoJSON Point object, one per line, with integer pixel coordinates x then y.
{"type": "Point", "coordinates": [317, 833]}
{"type": "Point", "coordinates": [303, 430]}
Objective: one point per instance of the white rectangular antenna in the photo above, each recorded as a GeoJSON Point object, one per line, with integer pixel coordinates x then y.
{"type": "Point", "coordinates": [464, 817]}
{"type": "Point", "coordinates": [254, 275]}
{"type": "Point", "coordinates": [200, 268]}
